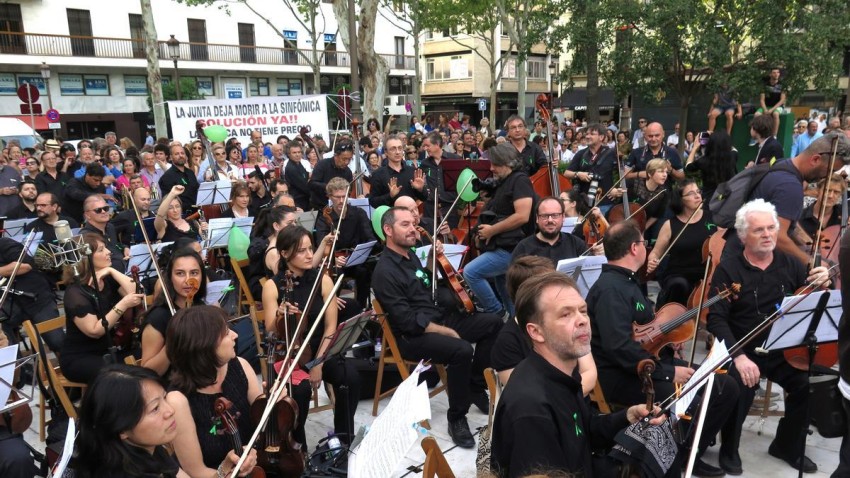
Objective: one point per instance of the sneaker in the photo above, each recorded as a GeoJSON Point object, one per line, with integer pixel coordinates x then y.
{"type": "Point", "coordinates": [461, 436]}
{"type": "Point", "coordinates": [481, 401]}
{"type": "Point", "coordinates": [808, 465]}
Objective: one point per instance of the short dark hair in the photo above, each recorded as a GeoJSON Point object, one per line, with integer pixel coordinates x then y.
{"type": "Point", "coordinates": [598, 127]}
{"type": "Point", "coordinates": [95, 170]}
{"type": "Point", "coordinates": [434, 138]}
{"type": "Point", "coordinates": [388, 219]}
{"type": "Point", "coordinates": [676, 204]}
{"type": "Point", "coordinates": [522, 269]}
{"type": "Point", "coordinates": [191, 341]}
{"type": "Point", "coordinates": [529, 293]}
{"type": "Point", "coordinates": [504, 155]}
{"type": "Point", "coordinates": [619, 238]}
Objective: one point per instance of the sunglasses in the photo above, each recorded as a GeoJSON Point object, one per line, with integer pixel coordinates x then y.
{"type": "Point", "coordinates": [100, 210]}
{"type": "Point", "coordinates": [32, 163]}
{"type": "Point", "coordinates": [345, 147]}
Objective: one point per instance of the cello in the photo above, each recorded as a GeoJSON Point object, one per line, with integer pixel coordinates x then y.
{"type": "Point", "coordinates": [548, 182]}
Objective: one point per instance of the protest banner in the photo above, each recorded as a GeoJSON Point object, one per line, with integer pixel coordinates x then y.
{"type": "Point", "coordinates": [271, 115]}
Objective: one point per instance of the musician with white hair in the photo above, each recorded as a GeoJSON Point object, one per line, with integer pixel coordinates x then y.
{"type": "Point", "coordinates": [766, 275]}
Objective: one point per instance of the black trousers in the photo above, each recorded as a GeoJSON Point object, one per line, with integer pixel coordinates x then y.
{"type": "Point", "coordinates": [464, 366]}
{"type": "Point", "coordinates": [843, 469]}
{"type": "Point", "coordinates": [789, 433]}
{"type": "Point", "coordinates": [674, 288]}
{"type": "Point", "coordinates": [16, 461]}
{"type": "Point", "coordinates": [625, 389]}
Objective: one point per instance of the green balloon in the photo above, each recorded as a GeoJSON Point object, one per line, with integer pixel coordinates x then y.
{"type": "Point", "coordinates": [237, 244]}
{"type": "Point", "coordinates": [377, 216]}
{"type": "Point", "coordinates": [216, 133]}
{"type": "Point", "coordinates": [464, 185]}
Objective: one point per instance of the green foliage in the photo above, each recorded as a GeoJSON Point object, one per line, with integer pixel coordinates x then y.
{"type": "Point", "coordinates": [188, 90]}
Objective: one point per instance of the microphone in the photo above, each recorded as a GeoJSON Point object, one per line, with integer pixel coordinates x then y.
{"type": "Point", "coordinates": [70, 249]}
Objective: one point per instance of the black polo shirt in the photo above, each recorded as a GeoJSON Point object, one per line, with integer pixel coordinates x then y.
{"type": "Point", "coordinates": [380, 192]}
{"type": "Point", "coordinates": [185, 178]}
{"type": "Point", "coordinates": [45, 183]}
{"type": "Point", "coordinates": [110, 236]}
{"type": "Point", "coordinates": [324, 171]}
{"type": "Point", "coordinates": [532, 158]}
{"type": "Point", "coordinates": [355, 228]}
{"type": "Point", "coordinates": [567, 246]}
{"type": "Point", "coordinates": [601, 164]}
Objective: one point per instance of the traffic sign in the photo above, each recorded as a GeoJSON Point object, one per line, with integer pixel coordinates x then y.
{"type": "Point", "coordinates": [25, 109]}
{"type": "Point", "coordinates": [52, 115]}
{"type": "Point", "coordinates": [28, 93]}
{"type": "Point", "coordinates": [54, 125]}
{"type": "Point", "coordinates": [482, 104]}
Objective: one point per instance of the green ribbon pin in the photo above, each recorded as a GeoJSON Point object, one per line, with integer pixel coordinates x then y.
{"type": "Point", "coordinates": [423, 277]}
{"type": "Point", "coordinates": [639, 306]}
{"type": "Point", "coordinates": [709, 225]}
{"type": "Point", "coordinates": [578, 428]}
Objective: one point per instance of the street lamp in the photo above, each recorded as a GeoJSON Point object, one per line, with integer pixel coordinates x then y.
{"type": "Point", "coordinates": [45, 73]}
{"type": "Point", "coordinates": [174, 52]}
{"type": "Point", "coordinates": [406, 83]}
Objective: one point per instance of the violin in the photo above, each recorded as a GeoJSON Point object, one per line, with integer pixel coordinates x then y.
{"type": "Point", "coordinates": [125, 334]}
{"type": "Point", "coordinates": [673, 324]}
{"type": "Point", "coordinates": [645, 369]}
{"type": "Point", "coordinates": [626, 210]}
{"type": "Point", "coordinates": [221, 408]}
{"type": "Point", "coordinates": [461, 290]}
{"type": "Point", "coordinates": [594, 229]}
{"type": "Point", "coordinates": [278, 452]}
{"type": "Point", "coordinates": [292, 326]}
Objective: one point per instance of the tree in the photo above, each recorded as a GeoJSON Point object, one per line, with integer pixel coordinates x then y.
{"type": "Point", "coordinates": [154, 76]}
{"type": "Point", "coordinates": [526, 23]}
{"type": "Point", "coordinates": [479, 22]}
{"type": "Point", "coordinates": [308, 13]}
{"type": "Point", "coordinates": [409, 16]}
{"type": "Point", "coordinates": [685, 46]}
{"type": "Point", "coordinates": [373, 69]}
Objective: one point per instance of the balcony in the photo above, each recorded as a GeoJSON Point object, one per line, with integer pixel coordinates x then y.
{"type": "Point", "coordinates": [101, 47]}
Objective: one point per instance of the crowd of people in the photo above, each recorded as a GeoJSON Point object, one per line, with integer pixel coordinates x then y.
{"type": "Point", "coordinates": [156, 419]}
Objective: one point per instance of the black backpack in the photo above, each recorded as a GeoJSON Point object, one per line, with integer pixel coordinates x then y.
{"type": "Point", "coordinates": [732, 194]}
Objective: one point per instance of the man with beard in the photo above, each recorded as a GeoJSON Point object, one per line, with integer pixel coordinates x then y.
{"type": "Point", "coordinates": [426, 223]}
{"type": "Point", "coordinates": [329, 168]}
{"type": "Point", "coordinates": [549, 241]}
{"type": "Point", "coordinates": [47, 210]}
{"type": "Point", "coordinates": [434, 332]}
{"type": "Point", "coordinates": [180, 174]}
{"type": "Point", "coordinates": [542, 421]}
{"type": "Point", "coordinates": [26, 210]}
{"type": "Point", "coordinates": [125, 222]}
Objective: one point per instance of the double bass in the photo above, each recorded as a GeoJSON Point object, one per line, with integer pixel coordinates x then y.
{"type": "Point", "coordinates": [548, 181]}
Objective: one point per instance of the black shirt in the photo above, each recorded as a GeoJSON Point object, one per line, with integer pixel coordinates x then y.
{"type": "Point", "coordinates": [21, 212]}
{"type": "Point", "coordinates": [185, 178]}
{"type": "Point", "coordinates": [543, 422]}
{"type": "Point", "coordinates": [75, 194]}
{"type": "Point", "coordinates": [45, 183]}
{"type": "Point", "coordinates": [380, 192]}
{"type": "Point", "coordinates": [602, 165]}
{"type": "Point", "coordinates": [640, 157]}
{"type": "Point", "coordinates": [436, 182]}
{"type": "Point", "coordinates": [33, 281]}
{"type": "Point", "coordinates": [770, 150]}
{"type": "Point", "coordinates": [79, 302]}
{"type": "Point", "coordinates": [111, 237]}
{"type": "Point", "coordinates": [48, 233]}
{"type": "Point", "coordinates": [126, 225]}
{"type": "Point", "coordinates": [324, 171]}
{"type": "Point", "coordinates": [297, 178]}
{"type": "Point", "coordinates": [567, 246]}
{"type": "Point", "coordinates": [258, 202]}
{"type": "Point", "coordinates": [532, 158]}
{"type": "Point", "coordinates": [514, 187]}
{"type": "Point", "coordinates": [511, 347]}
{"type": "Point", "coordinates": [761, 293]}
{"type": "Point", "coordinates": [355, 229]}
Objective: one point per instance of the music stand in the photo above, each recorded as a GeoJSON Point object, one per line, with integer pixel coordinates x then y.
{"type": "Point", "coordinates": [15, 227]}
{"type": "Point", "coordinates": [307, 220]}
{"type": "Point", "coordinates": [140, 257]}
{"type": "Point", "coordinates": [585, 270]}
{"type": "Point", "coordinates": [360, 254]}
{"type": "Point", "coordinates": [148, 223]}
{"type": "Point", "coordinates": [453, 167]}
{"type": "Point", "coordinates": [7, 374]}
{"type": "Point", "coordinates": [803, 326]}
{"type": "Point", "coordinates": [218, 232]}
{"type": "Point", "coordinates": [217, 192]}
{"type": "Point", "coordinates": [35, 241]}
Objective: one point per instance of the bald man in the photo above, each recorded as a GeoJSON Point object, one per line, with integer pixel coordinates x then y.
{"type": "Point", "coordinates": [655, 149]}
{"type": "Point", "coordinates": [425, 222]}
{"type": "Point", "coordinates": [125, 222]}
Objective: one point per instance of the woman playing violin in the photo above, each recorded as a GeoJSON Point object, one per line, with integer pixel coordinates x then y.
{"type": "Point", "coordinates": [645, 190]}
{"type": "Point", "coordinates": [295, 247]}
{"type": "Point", "coordinates": [125, 424]}
{"type": "Point", "coordinates": [685, 267]}
{"type": "Point", "coordinates": [182, 265]}
{"type": "Point", "coordinates": [576, 206]}
{"type": "Point", "coordinates": [93, 305]}
{"type": "Point", "coordinates": [809, 219]}
{"type": "Point", "coordinates": [202, 351]}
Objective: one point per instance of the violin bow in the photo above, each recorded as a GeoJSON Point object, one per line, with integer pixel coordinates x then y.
{"type": "Point", "coordinates": [283, 377]}
{"type": "Point", "coordinates": [699, 308]}
{"type": "Point", "coordinates": [434, 252]}
{"type": "Point", "coordinates": [168, 300]}
{"type": "Point", "coordinates": [816, 243]}
{"type": "Point", "coordinates": [688, 223]}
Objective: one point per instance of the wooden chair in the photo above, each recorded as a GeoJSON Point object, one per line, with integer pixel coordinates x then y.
{"type": "Point", "coordinates": [391, 355]}
{"type": "Point", "coordinates": [435, 462]}
{"type": "Point", "coordinates": [246, 299]}
{"type": "Point", "coordinates": [494, 387]}
{"type": "Point", "coordinates": [598, 397]}
{"type": "Point", "coordinates": [761, 407]}
{"type": "Point", "coordinates": [49, 372]}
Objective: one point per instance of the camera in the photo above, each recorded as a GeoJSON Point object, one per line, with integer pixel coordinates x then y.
{"type": "Point", "coordinates": [486, 186]}
{"type": "Point", "coordinates": [703, 138]}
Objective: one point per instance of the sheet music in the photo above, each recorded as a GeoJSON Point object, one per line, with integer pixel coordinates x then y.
{"type": "Point", "coordinates": [591, 268]}
{"type": "Point", "coordinates": [569, 224]}
{"type": "Point", "coordinates": [360, 254]}
{"type": "Point", "coordinates": [790, 330]}
{"type": "Point", "coordinates": [307, 220]}
{"type": "Point", "coordinates": [67, 449]}
{"type": "Point", "coordinates": [393, 432]}
{"type": "Point", "coordinates": [217, 192]}
{"type": "Point", "coordinates": [362, 203]}
{"type": "Point", "coordinates": [244, 224]}
{"type": "Point", "coordinates": [22, 238]}
{"type": "Point", "coordinates": [140, 257]}
{"type": "Point", "coordinates": [15, 227]}
{"type": "Point", "coordinates": [453, 252]}
{"type": "Point", "coordinates": [216, 290]}
{"type": "Point", "coordinates": [7, 371]}
{"type": "Point", "coordinates": [717, 356]}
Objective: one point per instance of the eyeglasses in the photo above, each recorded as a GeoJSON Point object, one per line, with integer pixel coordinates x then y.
{"type": "Point", "coordinates": [546, 217]}
{"type": "Point", "coordinates": [641, 122]}
{"type": "Point", "coordinates": [100, 210]}
{"type": "Point", "coordinates": [639, 242]}
{"type": "Point", "coordinates": [196, 147]}
{"type": "Point", "coordinates": [397, 148]}
{"type": "Point", "coordinates": [218, 153]}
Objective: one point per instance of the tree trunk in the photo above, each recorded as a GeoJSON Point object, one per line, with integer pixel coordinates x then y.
{"type": "Point", "coordinates": [495, 54]}
{"type": "Point", "coordinates": [374, 71]}
{"type": "Point", "coordinates": [416, 106]}
{"type": "Point", "coordinates": [521, 86]}
{"type": "Point", "coordinates": [592, 61]}
{"type": "Point", "coordinates": [683, 124]}
{"type": "Point", "coordinates": [154, 76]}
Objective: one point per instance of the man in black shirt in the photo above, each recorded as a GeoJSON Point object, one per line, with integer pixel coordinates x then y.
{"type": "Point", "coordinates": [770, 150]}
{"type": "Point", "coordinates": [79, 189]}
{"type": "Point", "coordinates": [297, 176]}
{"type": "Point", "coordinates": [260, 197]}
{"type": "Point", "coordinates": [549, 241]}
{"type": "Point", "coordinates": [180, 174]}
{"type": "Point", "coordinates": [431, 165]}
{"type": "Point", "coordinates": [97, 221]}
{"type": "Point", "coordinates": [47, 209]}
{"type": "Point", "coordinates": [615, 302]}
{"type": "Point", "coordinates": [25, 210]}
{"type": "Point", "coordinates": [542, 421]}
{"type": "Point", "coordinates": [427, 331]}
{"type": "Point", "coordinates": [766, 275]}
{"type": "Point", "coordinates": [501, 227]}
{"type": "Point", "coordinates": [396, 178]}
{"type": "Point", "coordinates": [470, 149]}
{"type": "Point", "coordinates": [125, 222]}
{"type": "Point", "coordinates": [426, 223]}
{"type": "Point", "coordinates": [329, 168]}
{"type": "Point", "coordinates": [355, 229]}
{"type": "Point", "coordinates": [531, 156]}
{"type": "Point", "coordinates": [654, 149]}
{"type": "Point", "coordinates": [596, 162]}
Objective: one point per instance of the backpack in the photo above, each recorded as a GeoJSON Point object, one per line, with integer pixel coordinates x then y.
{"type": "Point", "coordinates": [732, 194]}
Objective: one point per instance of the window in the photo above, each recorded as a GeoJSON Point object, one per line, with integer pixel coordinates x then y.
{"type": "Point", "coordinates": [84, 85]}
{"type": "Point", "coordinates": [205, 85]}
{"type": "Point", "coordinates": [330, 49]}
{"type": "Point", "coordinates": [290, 47]}
{"type": "Point", "coordinates": [198, 34]}
{"type": "Point", "coordinates": [11, 21]}
{"type": "Point", "coordinates": [137, 35]}
{"type": "Point", "coordinates": [247, 53]}
{"type": "Point", "coordinates": [259, 86]}
{"type": "Point", "coordinates": [135, 85]}
{"type": "Point", "coordinates": [399, 52]}
{"type": "Point", "coordinates": [33, 79]}
{"type": "Point", "coordinates": [79, 25]}
{"type": "Point", "coordinates": [289, 87]}
{"type": "Point", "coordinates": [536, 68]}
{"type": "Point", "coordinates": [8, 85]}
{"type": "Point", "coordinates": [455, 67]}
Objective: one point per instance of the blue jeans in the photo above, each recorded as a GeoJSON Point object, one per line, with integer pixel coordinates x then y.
{"type": "Point", "coordinates": [490, 265]}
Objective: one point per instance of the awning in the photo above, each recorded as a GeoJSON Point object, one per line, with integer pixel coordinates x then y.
{"type": "Point", "coordinates": [40, 120]}
{"type": "Point", "coordinates": [576, 99]}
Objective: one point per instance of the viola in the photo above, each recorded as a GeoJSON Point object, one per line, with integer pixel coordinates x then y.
{"type": "Point", "coordinates": [278, 452]}
{"type": "Point", "coordinates": [221, 408]}
{"type": "Point", "coordinates": [293, 326]}
{"type": "Point", "coordinates": [125, 334]}
{"type": "Point", "coordinates": [673, 324]}
{"type": "Point", "coordinates": [594, 229]}
{"type": "Point", "coordinates": [645, 369]}
{"type": "Point", "coordinates": [456, 283]}
{"type": "Point", "coordinates": [635, 213]}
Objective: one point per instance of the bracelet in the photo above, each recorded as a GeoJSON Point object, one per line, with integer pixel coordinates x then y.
{"type": "Point", "coordinates": [118, 311]}
{"type": "Point", "coordinates": [219, 472]}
